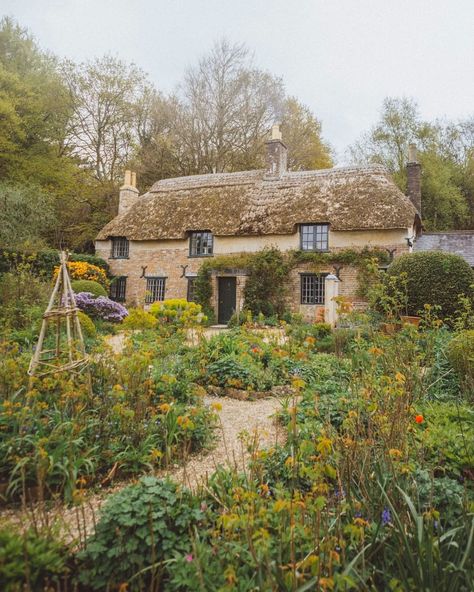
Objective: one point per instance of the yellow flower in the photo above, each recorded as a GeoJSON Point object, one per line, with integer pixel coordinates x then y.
{"type": "Point", "coordinates": [395, 453]}
{"type": "Point", "coordinates": [399, 377]}
{"type": "Point", "coordinates": [155, 454]}
{"type": "Point", "coordinates": [376, 351]}
{"type": "Point", "coordinates": [216, 406]}
{"type": "Point", "coordinates": [164, 408]}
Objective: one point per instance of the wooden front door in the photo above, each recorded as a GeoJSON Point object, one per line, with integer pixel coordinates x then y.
{"type": "Point", "coordinates": [227, 299]}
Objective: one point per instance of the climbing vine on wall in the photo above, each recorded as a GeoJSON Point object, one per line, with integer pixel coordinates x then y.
{"type": "Point", "coordinates": [268, 271]}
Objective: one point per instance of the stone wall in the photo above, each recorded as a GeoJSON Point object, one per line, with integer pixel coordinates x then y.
{"type": "Point", "coordinates": [170, 259]}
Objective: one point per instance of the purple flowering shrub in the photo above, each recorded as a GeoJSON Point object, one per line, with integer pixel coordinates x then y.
{"type": "Point", "coordinates": [101, 307]}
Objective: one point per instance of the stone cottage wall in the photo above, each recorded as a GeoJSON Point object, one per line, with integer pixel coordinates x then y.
{"type": "Point", "coordinates": [170, 259]}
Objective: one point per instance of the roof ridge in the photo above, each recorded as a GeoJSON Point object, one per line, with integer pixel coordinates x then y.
{"type": "Point", "coordinates": [250, 176]}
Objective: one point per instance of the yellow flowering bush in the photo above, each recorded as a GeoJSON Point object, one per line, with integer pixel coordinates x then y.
{"type": "Point", "coordinates": [80, 270]}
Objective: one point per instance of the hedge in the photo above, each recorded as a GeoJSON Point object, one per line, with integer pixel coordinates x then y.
{"type": "Point", "coordinates": [88, 286]}
{"type": "Point", "coordinates": [435, 278]}
{"type": "Point", "coordinates": [44, 261]}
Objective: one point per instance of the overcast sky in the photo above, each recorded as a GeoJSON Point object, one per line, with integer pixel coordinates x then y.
{"type": "Point", "coordinates": [340, 57]}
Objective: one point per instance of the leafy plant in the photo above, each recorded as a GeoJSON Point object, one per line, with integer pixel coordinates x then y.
{"type": "Point", "coordinates": [90, 286]}
{"type": "Point", "coordinates": [140, 529]}
{"type": "Point", "coordinates": [29, 561]}
{"type": "Point", "coordinates": [433, 278]}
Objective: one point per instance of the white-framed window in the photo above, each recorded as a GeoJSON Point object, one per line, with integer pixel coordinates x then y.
{"type": "Point", "coordinates": [120, 247]}
{"type": "Point", "coordinates": [201, 244]}
{"type": "Point", "coordinates": [314, 237]}
{"type": "Point", "coordinates": [312, 288]}
{"type": "Point", "coordinates": [155, 289]}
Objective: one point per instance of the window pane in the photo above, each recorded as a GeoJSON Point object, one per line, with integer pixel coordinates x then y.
{"type": "Point", "coordinates": [120, 247]}
{"type": "Point", "coordinates": [201, 243]}
{"type": "Point", "coordinates": [314, 237]}
{"type": "Point", "coordinates": [118, 289]}
{"type": "Point", "coordinates": [312, 289]}
{"type": "Point", "coordinates": [191, 289]}
{"type": "Point", "coordinates": [155, 290]}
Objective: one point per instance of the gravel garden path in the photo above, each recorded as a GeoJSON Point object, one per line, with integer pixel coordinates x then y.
{"type": "Point", "coordinates": [240, 423]}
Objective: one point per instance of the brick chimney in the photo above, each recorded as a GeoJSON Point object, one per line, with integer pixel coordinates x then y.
{"type": "Point", "coordinates": [414, 178]}
{"type": "Point", "coordinates": [128, 192]}
{"type": "Point", "coordinates": [277, 154]}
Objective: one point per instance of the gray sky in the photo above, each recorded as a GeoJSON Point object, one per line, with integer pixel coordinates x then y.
{"type": "Point", "coordinates": [340, 57]}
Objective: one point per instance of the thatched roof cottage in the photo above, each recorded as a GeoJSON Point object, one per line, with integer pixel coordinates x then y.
{"type": "Point", "coordinates": [159, 240]}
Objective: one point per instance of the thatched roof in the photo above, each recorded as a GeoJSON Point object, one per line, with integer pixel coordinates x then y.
{"type": "Point", "coordinates": [249, 203]}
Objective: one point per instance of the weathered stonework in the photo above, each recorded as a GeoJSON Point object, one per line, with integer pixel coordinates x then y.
{"type": "Point", "coordinates": [170, 259]}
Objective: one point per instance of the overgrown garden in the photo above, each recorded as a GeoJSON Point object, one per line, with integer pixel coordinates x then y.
{"type": "Point", "coordinates": [371, 490]}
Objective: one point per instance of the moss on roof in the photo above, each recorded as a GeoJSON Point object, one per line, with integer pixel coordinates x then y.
{"type": "Point", "coordinates": [248, 203]}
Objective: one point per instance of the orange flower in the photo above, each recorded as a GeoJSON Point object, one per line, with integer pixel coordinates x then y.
{"type": "Point", "coordinates": [419, 419]}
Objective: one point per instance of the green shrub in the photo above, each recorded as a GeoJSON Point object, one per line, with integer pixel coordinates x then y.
{"type": "Point", "coordinates": [141, 526]}
{"type": "Point", "coordinates": [139, 319]}
{"type": "Point", "coordinates": [461, 356]}
{"type": "Point", "coordinates": [434, 278]}
{"type": "Point", "coordinates": [178, 311]}
{"type": "Point", "coordinates": [88, 286]}
{"type": "Point", "coordinates": [30, 562]}
{"type": "Point", "coordinates": [264, 290]}
{"type": "Point", "coordinates": [87, 325]}
{"type": "Point", "coordinates": [44, 261]}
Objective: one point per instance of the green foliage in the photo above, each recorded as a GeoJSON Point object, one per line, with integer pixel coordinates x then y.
{"type": "Point", "coordinates": [140, 529]}
{"type": "Point", "coordinates": [139, 319]}
{"type": "Point", "coordinates": [434, 278]}
{"type": "Point", "coordinates": [445, 153]}
{"type": "Point", "coordinates": [43, 261]}
{"type": "Point", "coordinates": [178, 311]}
{"type": "Point", "coordinates": [26, 216]}
{"type": "Point", "coordinates": [461, 355]}
{"type": "Point", "coordinates": [87, 325]}
{"type": "Point", "coordinates": [30, 562]}
{"type": "Point", "coordinates": [264, 291]}
{"type": "Point", "coordinates": [144, 412]}
{"type": "Point", "coordinates": [268, 271]}
{"type": "Point", "coordinates": [90, 286]}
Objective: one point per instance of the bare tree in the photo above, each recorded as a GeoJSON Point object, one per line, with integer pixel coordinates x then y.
{"type": "Point", "coordinates": [228, 105]}
{"type": "Point", "coordinates": [105, 97]}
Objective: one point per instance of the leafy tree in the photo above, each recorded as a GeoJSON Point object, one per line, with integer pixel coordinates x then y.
{"type": "Point", "coordinates": [302, 134]}
{"type": "Point", "coordinates": [445, 151]}
{"type": "Point", "coordinates": [26, 215]}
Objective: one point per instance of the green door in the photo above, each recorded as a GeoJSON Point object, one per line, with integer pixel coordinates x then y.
{"type": "Point", "coordinates": [227, 299]}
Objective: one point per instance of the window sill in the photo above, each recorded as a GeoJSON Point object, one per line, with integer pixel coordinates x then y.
{"type": "Point", "coordinates": [199, 256]}
{"type": "Point", "coordinates": [315, 250]}
{"type": "Point", "coordinates": [111, 257]}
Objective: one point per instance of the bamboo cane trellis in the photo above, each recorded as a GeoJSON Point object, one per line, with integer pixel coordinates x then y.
{"type": "Point", "coordinates": [68, 353]}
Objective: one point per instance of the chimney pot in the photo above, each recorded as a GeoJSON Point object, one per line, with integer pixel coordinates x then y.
{"type": "Point", "coordinates": [276, 154]}
{"type": "Point", "coordinates": [412, 153]}
{"type": "Point", "coordinates": [128, 192]}
{"type": "Point", "coordinates": [414, 178]}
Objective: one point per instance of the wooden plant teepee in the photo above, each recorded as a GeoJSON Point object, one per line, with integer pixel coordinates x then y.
{"type": "Point", "coordinates": [62, 329]}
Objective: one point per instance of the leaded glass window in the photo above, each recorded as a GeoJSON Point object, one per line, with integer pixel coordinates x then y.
{"type": "Point", "coordinates": [201, 244]}
{"type": "Point", "coordinates": [312, 288]}
{"type": "Point", "coordinates": [155, 289]}
{"type": "Point", "coordinates": [120, 247]}
{"type": "Point", "coordinates": [314, 237]}
{"type": "Point", "coordinates": [118, 289]}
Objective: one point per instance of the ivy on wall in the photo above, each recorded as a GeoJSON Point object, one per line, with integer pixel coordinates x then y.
{"type": "Point", "coordinates": [268, 271]}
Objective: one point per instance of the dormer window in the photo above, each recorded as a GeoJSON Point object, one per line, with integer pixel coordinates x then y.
{"type": "Point", "coordinates": [314, 237]}
{"type": "Point", "coordinates": [201, 244]}
{"type": "Point", "coordinates": [119, 247]}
